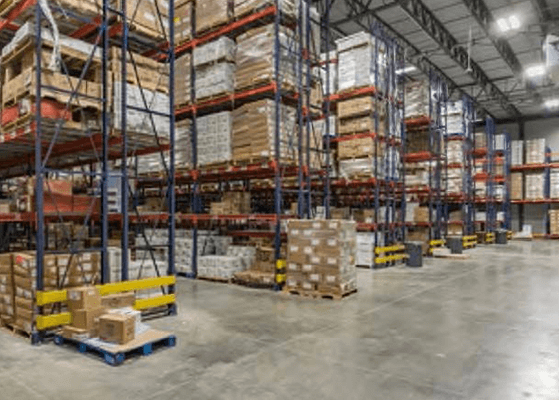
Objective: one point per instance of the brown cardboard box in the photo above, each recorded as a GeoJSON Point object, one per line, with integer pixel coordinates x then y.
{"type": "Point", "coordinates": [117, 328]}
{"type": "Point", "coordinates": [71, 332]}
{"type": "Point", "coordinates": [119, 300]}
{"type": "Point", "coordinates": [85, 297]}
{"type": "Point", "coordinates": [87, 319]}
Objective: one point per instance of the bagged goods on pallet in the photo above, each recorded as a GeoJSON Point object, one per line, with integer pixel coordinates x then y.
{"type": "Point", "coordinates": [534, 185]}
{"type": "Point", "coordinates": [535, 151]}
{"type": "Point", "coordinates": [254, 131]}
{"type": "Point", "coordinates": [416, 99]}
{"type": "Point", "coordinates": [183, 21]}
{"type": "Point", "coordinates": [212, 13]}
{"type": "Point", "coordinates": [454, 181]}
{"type": "Point", "coordinates": [255, 58]}
{"type": "Point", "coordinates": [361, 168]}
{"type": "Point", "coordinates": [321, 256]}
{"type": "Point", "coordinates": [454, 118]}
{"type": "Point", "coordinates": [214, 138]}
{"type": "Point", "coordinates": [238, 258]}
{"type": "Point", "coordinates": [517, 152]}
{"type": "Point", "coordinates": [182, 80]}
{"type": "Point", "coordinates": [214, 79]}
{"type": "Point", "coordinates": [358, 60]}
{"type": "Point", "coordinates": [516, 185]}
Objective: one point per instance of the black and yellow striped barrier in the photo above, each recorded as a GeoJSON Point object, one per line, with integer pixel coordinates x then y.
{"type": "Point", "coordinates": [469, 242]}
{"type": "Point", "coordinates": [44, 322]}
{"type": "Point", "coordinates": [389, 254]}
{"type": "Point", "coordinates": [435, 243]}
{"type": "Point", "coordinates": [490, 237]}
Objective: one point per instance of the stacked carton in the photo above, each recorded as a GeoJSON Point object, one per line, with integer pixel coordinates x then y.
{"type": "Point", "coordinates": [214, 66]}
{"type": "Point", "coordinates": [517, 151]}
{"type": "Point", "coordinates": [554, 184]}
{"type": "Point", "coordinates": [365, 255]}
{"type": "Point", "coordinates": [480, 140]}
{"type": "Point", "coordinates": [554, 222]}
{"type": "Point", "coordinates": [237, 258]}
{"type": "Point", "coordinates": [417, 99]}
{"type": "Point", "coordinates": [254, 132]}
{"type": "Point", "coordinates": [183, 95]}
{"type": "Point", "coordinates": [454, 118]}
{"type": "Point", "coordinates": [321, 256]}
{"type": "Point", "coordinates": [535, 151]}
{"type": "Point", "coordinates": [534, 185]}
{"type": "Point", "coordinates": [255, 57]}
{"type": "Point", "coordinates": [212, 13]}
{"type": "Point", "coordinates": [7, 310]}
{"type": "Point", "coordinates": [84, 303]}
{"type": "Point", "coordinates": [516, 186]}
{"type": "Point", "coordinates": [183, 21]}
{"type": "Point", "coordinates": [358, 61]}
{"type": "Point", "coordinates": [233, 203]}
{"type": "Point", "coordinates": [454, 180]}
{"type": "Point", "coordinates": [214, 138]}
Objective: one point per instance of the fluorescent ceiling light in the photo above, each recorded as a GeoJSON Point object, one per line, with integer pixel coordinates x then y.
{"type": "Point", "coordinates": [514, 22]}
{"type": "Point", "coordinates": [535, 71]}
{"type": "Point", "coordinates": [551, 103]}
{"type": "Point", "coordinates": [503, 24]}
{"type": "Point", "coordinates": [406, 70]}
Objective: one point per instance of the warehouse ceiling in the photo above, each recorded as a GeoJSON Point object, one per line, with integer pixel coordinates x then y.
{"type": "Point", "coordinates": [482, 47]}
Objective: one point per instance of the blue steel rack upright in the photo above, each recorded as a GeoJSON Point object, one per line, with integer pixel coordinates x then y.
{"type": "Point", "coordinates": [468, 120]}
{"type": "Point", "coordinates": [54, 153]}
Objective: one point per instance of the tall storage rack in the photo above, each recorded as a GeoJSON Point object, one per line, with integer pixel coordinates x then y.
{"type": "Point", "coordinates": [68, 131]}
{"type": "Point", "coordinates": [311, 187]}
{"type": "Point", "coordinates": [434, 194]}
{"type": "Point", "coordinates": [383, 191]}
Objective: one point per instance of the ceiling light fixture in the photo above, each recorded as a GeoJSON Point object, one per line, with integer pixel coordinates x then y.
{"type": "Point", "coordinates": [514, 22]}
{"type": "Point", "coordinates": [406, 70]}
{"type": "Point", "coordinates": [510, 23]}
{"type": "Point", "coordinates": [535, 71]}
{"type": "Point", "coordinates": [503, 24]}
{"type": "Point", "coordinates": [551, 103]}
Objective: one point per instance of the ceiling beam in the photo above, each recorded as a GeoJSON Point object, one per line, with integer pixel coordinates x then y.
{"type": "Point", "coordinates": [412, 54]}
{"type": "Point", "coordinates": [484, 18]}
{"type": "Point", "coordinates": [434, 28]}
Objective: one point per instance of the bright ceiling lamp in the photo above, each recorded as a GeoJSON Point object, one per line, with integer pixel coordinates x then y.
{"type": "Point", "coordinates": [503, 24]}
{"type": "Point", "coordinates": [535, 70]}
{"type": "Point", "coordinates": [551, 103]}
{"type": "Point", "coordinates": [406, 70]}
{"type": "Point", "coordinates": [510, 23]}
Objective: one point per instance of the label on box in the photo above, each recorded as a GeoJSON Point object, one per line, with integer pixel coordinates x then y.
{"type": "Point", "coordinates": [332, 225]}
{"type": "Point", "coordinates": [293, 248]}
{"type": "Point", "coordinates": [315, 242]}
{"type": "Point", "coordinates": [292, 267]}
{"type": "Point", "coordinates": [331, 278]}
{"type": "Point", "coordinates": [315, 260]}
{"type": "Point", "coordinates": [294, 232]}
{"type": "Point", "coordinates": [307, 232]}
{"type": "Point", "coordinates": [307, 286]}
{"type": "Point", "coordinates": [332, 261]}
{"type": "Point", "coordinates": [316, 225]}
{"type": "Point", "coordinates": [308, 250]}
{"type": "Point", "coordinates": [307, 268]}
{"type": "Point", "coordinates": [315, 277]}
{"type": "Point", "coordinates": [332, 242]}
{"type": "Point", "coordinates": [291, 282]}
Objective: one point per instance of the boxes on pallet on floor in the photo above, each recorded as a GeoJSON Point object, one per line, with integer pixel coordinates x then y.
{"type": "Point", "coordinates": [321, 256]}
{"type": "Point", "coordinates": [365, 255]}
{"type": "Point", "coordinates": [6, 286]}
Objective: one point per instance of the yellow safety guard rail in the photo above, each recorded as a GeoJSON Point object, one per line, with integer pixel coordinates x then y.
{"type": "Point", "coordinates": [389, 249]}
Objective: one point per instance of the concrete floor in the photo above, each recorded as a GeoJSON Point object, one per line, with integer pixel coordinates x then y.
{"type": "Point", "coordinates": [485, 328]}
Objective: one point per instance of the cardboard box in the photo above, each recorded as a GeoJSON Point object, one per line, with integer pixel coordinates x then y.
{"type": "Point", "coordinates": [119, 300]}
{"type": "Point", "coordinates": [85, 297]}
{"type": "Point", "coordinates": [71, 332]}
{"type": "Point", "coordinates": [117, 328]}
{"type": "Point", "coordinates": [87, 319]}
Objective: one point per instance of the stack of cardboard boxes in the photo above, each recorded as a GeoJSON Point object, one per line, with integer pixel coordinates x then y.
{"type": "Point", "coordinates": [233, 203]}
{"type": "Point", "coordinates": [554, 222]}
{"type": "Point", "coordinates": [321, 256]}
{"type": "Point", "coordinates": [516, 186]}
{"type": "Point", "coordinates": [7, 310]}
{"type": "Point", "coordinates": [215, 68]}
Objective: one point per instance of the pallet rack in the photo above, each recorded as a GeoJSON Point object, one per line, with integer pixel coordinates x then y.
{"type": "Point", "coordinates": [47, 149]}
{"type": "Point", "coordinates": [434, 194]}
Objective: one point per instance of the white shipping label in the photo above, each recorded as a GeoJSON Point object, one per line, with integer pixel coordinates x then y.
{"type": "Point", "coordinates": [293, 267]}
{"type": "Point", "coordinates": [291, 282]}
{"type": "Point", "coordinates": [332, 242]}
{"type": "Point", "coordinates": [307, 232]}
{"type": "Point", "coordinates": [315, 242]}
{"type": "Point", "coordinates": [307, 268]}
{"type": "Point", "coordinates": [294, 249]}
{"type": "Point", "coordinates": [333, 225]}
{"type": "Point", "coordinates": [295, 232]}
{"type": "Point", "coordinates": [332, 261]}
{"type": "Point", "coordinates": [308, 250]}
{"type": "Point", "coordinates": [315, 260]}
{"type": "Point", "coordinates": [315, 277]}
{"type": "Point", "coordinates": [316, 225]}
{"type": "Point", "coordinates": [330, 278]}
{"type": "Point", "coordinates": [307, 285]}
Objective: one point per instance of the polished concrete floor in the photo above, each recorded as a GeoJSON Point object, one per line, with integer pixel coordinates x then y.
{"type": "Point", "coordinates": [484, 328]}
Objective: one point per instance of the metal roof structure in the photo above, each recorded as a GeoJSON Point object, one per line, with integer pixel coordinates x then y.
{"type": "Point", "coordinates": [461, 39]}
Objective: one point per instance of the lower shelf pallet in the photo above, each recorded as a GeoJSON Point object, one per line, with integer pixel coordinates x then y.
{"type": "Point", "coordinates": [115, 355]}
{"type": "Point", "coordinates": [318, 295]}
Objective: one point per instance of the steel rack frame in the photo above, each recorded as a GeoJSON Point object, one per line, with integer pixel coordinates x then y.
{"type": "Point", "coordinates": [506, 205]}
{"type": "Point", "coordinates": [95, 148]}
{"type": "Point", "coordinates": [276, 168]}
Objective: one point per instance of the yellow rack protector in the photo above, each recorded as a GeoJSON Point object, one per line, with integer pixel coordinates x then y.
{"type": "Point", "coordinates": [469, 238]}
{"type": "Point", "coordinates": [140, 284]}
{"type": "Point", "coordinates": [60, 296]}
{"type": "Point", "coordinates": [389, 249]}
{"type": "Point", "coordinates": [143, 304]}
{"type": "Point", "coordinates": [393, 257]}
{"type": "Point", "coordinates": [50, 321]}
{"type": "Point", "coordinates": [436, 242]}
{"type": "Point", "coordinates": [56, 296]}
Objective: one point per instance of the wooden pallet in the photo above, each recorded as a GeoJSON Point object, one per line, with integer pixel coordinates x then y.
{"type": "Point", "coordinates": [228, 95]}
{"type": "Point", "coordinates": [314, 294]}
{"type": "Point", "coordinates": [214, 279]}
{"type": "Point", "coordinates": [115, 355]}
{"type": "Point", "coordinates": [215, 25]}
{"type": "Point", "coordinates": [13, 329]}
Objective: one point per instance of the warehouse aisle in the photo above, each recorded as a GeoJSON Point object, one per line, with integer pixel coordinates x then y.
{"type": "Point", "coordinates": [476, 329]}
